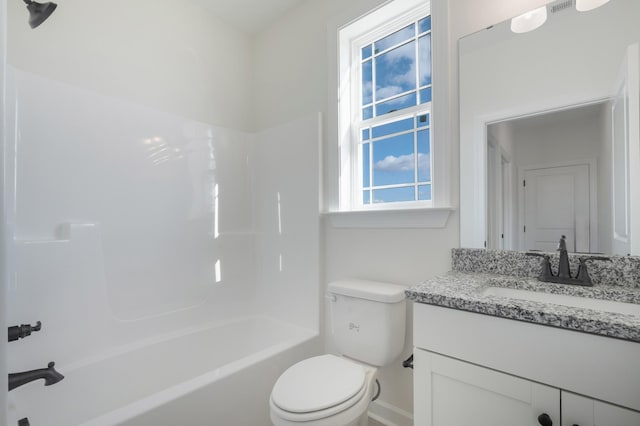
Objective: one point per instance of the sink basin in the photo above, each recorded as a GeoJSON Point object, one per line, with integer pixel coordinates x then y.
{"type": "Point", "coordinates": [565, 300]}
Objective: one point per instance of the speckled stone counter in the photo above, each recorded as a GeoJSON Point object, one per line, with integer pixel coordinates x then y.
{"type": "Point", "coordinates": [476, 270]}
{"type": "Point", "coordinates": [619, 271]}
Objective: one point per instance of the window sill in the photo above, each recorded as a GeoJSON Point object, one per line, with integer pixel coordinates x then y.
{"type": "Point", "coordinates": [431, 217]}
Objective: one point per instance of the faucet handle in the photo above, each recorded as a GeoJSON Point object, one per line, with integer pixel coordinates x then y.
{"type": "Point", "coordinates": [583, 273]}
{"type": "Point", "coordinates": [545, 265]}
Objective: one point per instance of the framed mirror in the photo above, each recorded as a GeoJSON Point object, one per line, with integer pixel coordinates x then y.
{"type": "Point", "coordinates": [550, 132]}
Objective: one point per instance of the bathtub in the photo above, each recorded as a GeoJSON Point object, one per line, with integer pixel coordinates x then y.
{"type": "Point", "coordinates": [215, 375]}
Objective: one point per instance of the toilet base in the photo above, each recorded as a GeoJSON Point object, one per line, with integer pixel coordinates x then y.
{"type": "Point", "coordinates": [363, 420]}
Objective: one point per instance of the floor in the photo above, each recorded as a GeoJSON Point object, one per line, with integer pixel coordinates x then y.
{"type": "Point", "coordinates": [375, 423]}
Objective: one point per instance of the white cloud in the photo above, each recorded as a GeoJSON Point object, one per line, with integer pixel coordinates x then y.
{"type": "Point", "coordinates": [367, 92]}
{"type": "Point", "coordinates": [402, 163]}
{"type": "Point", "coordinates": [386, 92]}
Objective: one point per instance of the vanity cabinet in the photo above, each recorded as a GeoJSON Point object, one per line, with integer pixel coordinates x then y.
{"type": "Point", "coordinates": [459, 393]}
{"type": "Point", "coordinates": [474, 369]}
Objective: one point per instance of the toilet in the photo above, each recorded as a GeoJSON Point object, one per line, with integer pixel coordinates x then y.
{"type": "Point", "coordinates": [367, 327]}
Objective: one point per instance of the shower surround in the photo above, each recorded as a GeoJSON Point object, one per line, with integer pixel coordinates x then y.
{"type": "Point", "coordinates": [141, 207]}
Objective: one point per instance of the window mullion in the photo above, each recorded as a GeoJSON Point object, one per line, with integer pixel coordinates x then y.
{"type": "Point", "coordinates": [371, 165]}
{"type": "Point", "coordinates": [417, 56]}
{"type": "Point", "coordinates": [374, 73]}
{"type": "Point", "coordinates": [415, 155]}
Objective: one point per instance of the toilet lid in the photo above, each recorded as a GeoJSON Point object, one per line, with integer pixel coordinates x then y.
{"type": "Point", "coordinates": [318, 383]}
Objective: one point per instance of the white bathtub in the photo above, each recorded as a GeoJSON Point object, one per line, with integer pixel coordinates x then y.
{"type": "Point", "coordinates": [216, 375]}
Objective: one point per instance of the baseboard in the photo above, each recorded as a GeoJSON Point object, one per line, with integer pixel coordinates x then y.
{"type": "Point", "coordinates": [389, 414]}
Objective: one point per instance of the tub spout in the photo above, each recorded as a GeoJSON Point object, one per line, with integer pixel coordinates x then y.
{"type": "Point", "coordinates": [49, 374]}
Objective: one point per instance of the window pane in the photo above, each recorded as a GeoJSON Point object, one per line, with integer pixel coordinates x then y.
{"type": "Point", "coordinates": [366, 52]}
{"type": "Point", "coordinates": [366, 134]}
{"type": "Point", "coordinates": [424, 192]}
{"type": "Point", "coordinates": [393, 160]}
{"type": "Point", "coordinates": [396, 104]}
{"type": "Point", "coordinates": [424, 156]}
{"type": "Point", "coordinates": [367, 112]}
{"type": "Point", "coordinates": [398, 37]}
{"type": "Point", "coordinates": [423, 120]}
{"type": "Point", "coordinates": [367, 83]}
{"type": "Point", "coordinates": [424, 24]}
{"type": "Point", "coordinates": [395, 71]}
{"type": "Point", "coordinates": [425, 95]}
{"type": "Point", "coordinates": [394, 194]}
{"type": "Point", "coordinates": [366, 197]}
{"type": "Point", "coordinates": [366, 162]}
{"type": "Point", "coordinates": [394, 127]}
{"type": "Point", "coordinates": [424, 47]}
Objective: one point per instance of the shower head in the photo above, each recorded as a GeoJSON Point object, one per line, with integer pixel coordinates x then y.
{"type": "Point", "coordinates": [39, 12]}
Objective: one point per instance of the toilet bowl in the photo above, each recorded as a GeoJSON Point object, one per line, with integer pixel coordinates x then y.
{"type": "Point", "coordinates": [326, 390]}
{"type": "Point", "coordinates": [367, 327]}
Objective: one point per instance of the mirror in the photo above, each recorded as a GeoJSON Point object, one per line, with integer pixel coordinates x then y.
{"type": "Point", "coordinates": [550, 133]}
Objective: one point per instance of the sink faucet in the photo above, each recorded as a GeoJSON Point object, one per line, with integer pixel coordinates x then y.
{"type": "Point", "coordinates": [564, 269]}
{"type": "Point", "coordinates": [49, 374]}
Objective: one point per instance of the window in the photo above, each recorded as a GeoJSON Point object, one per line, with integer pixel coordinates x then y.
{"type": "Point", "coordinates": [385, 110]}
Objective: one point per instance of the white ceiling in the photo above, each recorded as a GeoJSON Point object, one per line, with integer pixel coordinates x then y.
{"type": "Point", "coordinates": [249, 15]}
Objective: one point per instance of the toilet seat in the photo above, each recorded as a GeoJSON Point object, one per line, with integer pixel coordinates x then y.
{"type": "Point", "coordinates": [319, 387]}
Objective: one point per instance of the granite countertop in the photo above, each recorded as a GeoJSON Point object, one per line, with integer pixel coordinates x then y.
{"type": "Point", "coordinates": [464, 291]}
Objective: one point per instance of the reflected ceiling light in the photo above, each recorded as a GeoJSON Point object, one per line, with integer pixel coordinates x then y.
{"type": "Point", "coordinates": [586, 5]}
{"type": "Point", "coordinates": [39, 12]}
{"type": "Point", "coordinates": [529, 21]}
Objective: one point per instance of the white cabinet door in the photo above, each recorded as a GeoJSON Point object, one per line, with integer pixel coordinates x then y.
{"type": "Point", "coordinates": [581, 411]}
{"type": "Point", "coordinates": [449, 392]}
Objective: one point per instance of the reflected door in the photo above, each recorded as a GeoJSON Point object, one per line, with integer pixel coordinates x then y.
{"type": "Point", "coordinates": [556, 202]}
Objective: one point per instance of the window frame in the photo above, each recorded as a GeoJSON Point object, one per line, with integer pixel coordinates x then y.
{"type": "Point", "coordinates": [351, 39]}
{"type": "Point", "coordinates": [444, 113]}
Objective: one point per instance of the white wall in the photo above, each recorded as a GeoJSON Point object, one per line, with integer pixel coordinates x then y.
{"type": "Point", "coordinates": [173, 56]}
{"type": "Point", "coordinates": [292, 79]}
{"type": "Point", "coordinates": [566, 136]}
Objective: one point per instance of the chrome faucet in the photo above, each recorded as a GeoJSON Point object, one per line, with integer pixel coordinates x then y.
{"type": "Point", "coordinates": [564, 269]}
{"type": "Point", "coordinates": [49, 374]}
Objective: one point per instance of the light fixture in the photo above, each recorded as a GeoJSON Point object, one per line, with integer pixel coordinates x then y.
{"type": "Point", "coordinates": [39, 12]}
{"type": "Point", "coordinates": [586, 5]}
{"type": "Point", "coordinates": [529, 21]}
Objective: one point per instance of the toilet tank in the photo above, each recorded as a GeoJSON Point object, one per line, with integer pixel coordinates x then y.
{"type": "Point", "coordinates": [368, 320]}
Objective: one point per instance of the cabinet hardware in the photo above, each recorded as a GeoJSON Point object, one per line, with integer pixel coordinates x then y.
{"type": "Point", "coordinates": [545, 420]}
